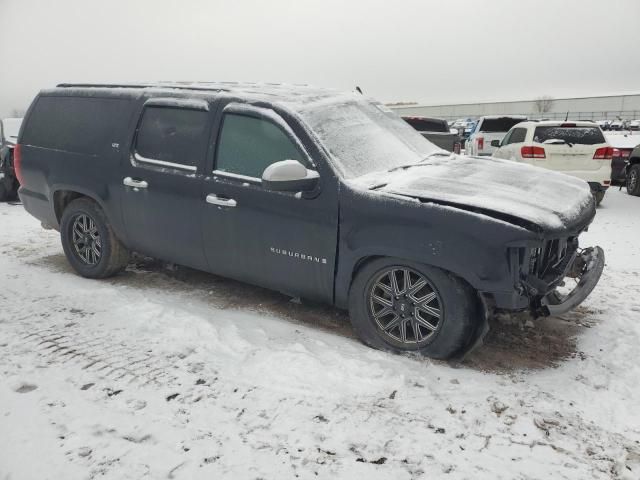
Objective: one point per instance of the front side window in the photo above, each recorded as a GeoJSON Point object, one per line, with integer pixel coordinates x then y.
{"type": "Point", "coordinates": [172, 135]}
{"type": "Point", "coordinates": [248, 145]}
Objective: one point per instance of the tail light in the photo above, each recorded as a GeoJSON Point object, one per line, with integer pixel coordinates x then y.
{"type": "Point", "coordinates": [616, 153]}
{"type": "Point", "coordinates": [17, 162]}
{"type": "Point", "coordinates": [603, 153]}
{"type": "Point", "coordinates": [480, 143]}
{"type": "Point", "coordinates": [625, 153]}
{"type": "Point", "coordinates": [532, 152]}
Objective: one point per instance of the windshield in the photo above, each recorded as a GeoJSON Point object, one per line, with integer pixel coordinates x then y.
{"type": "Point", "coordinates": [11, 127]}
{"type": "Point", "coordinates": [365, 137]}
{"type": "Point", "coordinates": [573, 135]}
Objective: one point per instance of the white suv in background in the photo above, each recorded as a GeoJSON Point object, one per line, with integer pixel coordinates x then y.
{"type": "Point", "coordinates": [488, 129]}
{"type": "Point", "coordinates": [575, 148]}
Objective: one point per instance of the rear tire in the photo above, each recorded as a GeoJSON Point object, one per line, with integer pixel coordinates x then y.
{"type": "Point", "coordinates": [633, 180]}
{"type": "Point", "coordinates": [436, 319]}
{"type": "Point", "coordinates": [5, 193]}
{"type": "Point", "coordinates": [89, 242]}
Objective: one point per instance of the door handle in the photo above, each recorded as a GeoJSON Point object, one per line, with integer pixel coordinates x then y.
{"type": "Point", "coordinates": [130, 182]}
{"type": "Point", "coordinates": [223, 202]}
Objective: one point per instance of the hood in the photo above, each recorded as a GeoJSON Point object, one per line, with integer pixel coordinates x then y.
{"type": "Point", "coordinates": [515, 192]}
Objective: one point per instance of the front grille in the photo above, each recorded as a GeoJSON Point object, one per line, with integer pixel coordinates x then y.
{"type": "Point", "coordinates": [550, 262]}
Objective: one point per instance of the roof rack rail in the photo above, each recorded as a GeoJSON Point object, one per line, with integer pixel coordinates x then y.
{"type": "Point", "coordinates": [212, 86]}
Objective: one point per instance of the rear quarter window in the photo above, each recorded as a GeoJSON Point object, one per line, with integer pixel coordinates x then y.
{"type": "Point", "coordinates": [577, 135]}
{"type": "Point", "coordinates": [85, 125]}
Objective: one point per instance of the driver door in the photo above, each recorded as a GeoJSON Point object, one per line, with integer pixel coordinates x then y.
{"type": "Point", "coordinates": [284, 241]}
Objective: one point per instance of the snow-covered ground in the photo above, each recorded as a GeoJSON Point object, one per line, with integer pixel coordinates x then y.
{"type": "Point", "coordinates": [171, 373]}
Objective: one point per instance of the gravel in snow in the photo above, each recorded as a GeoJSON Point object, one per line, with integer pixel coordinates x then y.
{"type": "Point", "coordinates": [165, 372]}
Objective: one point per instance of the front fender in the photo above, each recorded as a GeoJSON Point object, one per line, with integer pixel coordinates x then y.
{"type": "Point", "coordinates": [472, 246]}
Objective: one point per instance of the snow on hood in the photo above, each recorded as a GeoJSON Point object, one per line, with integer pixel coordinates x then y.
{"type": "Point", "coordinates": [549, 199]}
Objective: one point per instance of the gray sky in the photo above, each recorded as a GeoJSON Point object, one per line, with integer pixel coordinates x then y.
{"type": "Point", "coordinates": [430, 51]}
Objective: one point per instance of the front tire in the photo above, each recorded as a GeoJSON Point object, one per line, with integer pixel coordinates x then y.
{"type": "Point", "coordinates": [89, 242]}
{"type": "Point", "coordinates": [633, 180]}
{"type": "Point", "coordinates": [404, 306]}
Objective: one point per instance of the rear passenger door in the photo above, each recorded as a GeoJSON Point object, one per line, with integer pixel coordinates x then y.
{"type": "Point", "coordinates": [284, 241]}
{"type": "Point", "coordinates": [162, 181]}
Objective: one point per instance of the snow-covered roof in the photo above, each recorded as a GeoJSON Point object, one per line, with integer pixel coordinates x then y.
{"type": "Point", "coordinates": [556, 123]}
{"type": "Point", "coordinates": [273, 92]}
{"type": "Point", "coordinates": [506, 115]}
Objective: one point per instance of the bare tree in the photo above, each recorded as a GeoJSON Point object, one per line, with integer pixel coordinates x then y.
{"type": "Point", "coordinates": [543, 104]}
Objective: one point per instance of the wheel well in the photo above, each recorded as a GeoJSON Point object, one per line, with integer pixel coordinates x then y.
{"type": "Point", "coordinates": [634, 160]}
{"type": "Point", "coordinates": [361, 263]}
{"type": "Point", "coordinates": [62, 198]}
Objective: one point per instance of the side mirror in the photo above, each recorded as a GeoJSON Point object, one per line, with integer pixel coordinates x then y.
{"type": "Point", "coordinates": [289, 176]}
{"type": "Point", "coordinates": [495, 143]}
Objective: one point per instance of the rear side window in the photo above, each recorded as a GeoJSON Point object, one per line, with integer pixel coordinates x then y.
{"type": "Point", "coordinates": [85, 125]}
{"type": "Point", "coordinates": [518, 135]}
{"type": "Point", "coordinates": [427, 124]}
{"type": "Point", "coordinates": [248, 145]}
{"type": "Point", "coordinates": [573, 135]}
{"type": "Point", "coordinates": [172, 135]}
{"type": "Point", "coordinates": [504, 124]}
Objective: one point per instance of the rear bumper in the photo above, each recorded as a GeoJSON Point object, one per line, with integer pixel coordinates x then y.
{"type": "Point", "coordinates": [600, 175]}
{"type": "Point", "coordinates": [39, 206]}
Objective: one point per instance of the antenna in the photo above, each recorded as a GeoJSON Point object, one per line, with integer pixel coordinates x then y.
{"type": "Point", "coordinates": [567, 117]}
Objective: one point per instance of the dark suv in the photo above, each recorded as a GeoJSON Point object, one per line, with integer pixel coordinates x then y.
{"type": "Point", "coordinates": [9, 128]}
{"type": "Point", "coordinates": [317, 194]}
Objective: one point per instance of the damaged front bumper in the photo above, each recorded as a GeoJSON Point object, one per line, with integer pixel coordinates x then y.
{"type": "Point", "coordinates": [587, 268]}
{"type": "Point", "coordinates": [543, 273]}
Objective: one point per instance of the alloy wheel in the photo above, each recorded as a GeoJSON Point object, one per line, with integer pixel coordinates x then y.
{"type": "Point", "coordinates": [86, 239]}
{"type": "Point", "coordinates": [405, 305]}
{"type": "Point", "coordinates": [633, 180]}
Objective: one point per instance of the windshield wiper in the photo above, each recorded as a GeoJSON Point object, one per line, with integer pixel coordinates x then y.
{"type": "Point", "coordinates": [420, 163]}
{"type": "Point", "coordinates": [557, 141]}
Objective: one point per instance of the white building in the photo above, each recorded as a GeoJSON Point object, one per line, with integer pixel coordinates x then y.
{"type": "Point", "coordinates": [586, 108]}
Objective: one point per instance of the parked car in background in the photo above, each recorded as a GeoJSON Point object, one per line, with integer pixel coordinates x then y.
{"type": "Point", "coordinates": [604, 124]}
{"type": "Point", "coordinates": [632, 172]}
{"type": "Point", "coordinates": [622, 145]}
{"type": "Point", "coordinates": [9, 129]}
{"type": "Point", "coordinates": [464, 127]}
{"type": "Point", "coordinates": [310, 192]}
{"type": "Point", "coordinates": [578, 149]}
{"type": "Point", "coordinates": [488, 129]}
{"type": "Point", "coordinates": [633, 125]}
{"type": "Point", "coordinates": [617, 125]}
{"type": "Point", "coordinates": [437, 131]}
